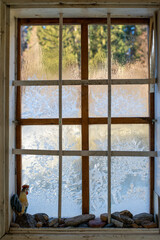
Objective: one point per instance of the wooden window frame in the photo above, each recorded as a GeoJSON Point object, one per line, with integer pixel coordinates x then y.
{"type": "Point", "coordinates": [85, 120]}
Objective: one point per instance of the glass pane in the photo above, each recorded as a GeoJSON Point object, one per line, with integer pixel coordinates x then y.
{"type": "Point", "coordinates": [71, 137]}
{"type": "Point", "coordinates": [130, 184]}
{"type": "Point", "coordinates": [39, 52]}
{"type": "Point", "coordinates": [41, 173]}
{"type": "Point", "coordinates": [130, 101]}
{"type": "Point", "coordinates": [40, 137]}
{"type": "Point", "coordinates": [97, 45]}
{"type": "Point", "coordinates": [71, 186]}
{"type": "Point", "coordinates": [71, 101]}
{"type": "Point", "coordinates": [71, 52]}
{"type": "Point", "coordinates": [98, 135]}
{"type": "Point", "coordinates": [129, 47]}
{"type": "Point", "coordinates": [98, 172]}
{"type": "Point", "coordinates": [98, 101]}
{"type": "Point", "coordinates": [130, 137]}
{"type": "Point", "coordinates": [39, 102]}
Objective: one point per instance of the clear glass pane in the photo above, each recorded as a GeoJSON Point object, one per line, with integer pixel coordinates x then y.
{"type": "Point", "coordinates": [39, 52]}
{"type": "Point", "coordinates": [39, 102]}
{"type": "Point", "coordinates": [71, 137]}
{"type": "Point", "coordinates": [98, 135]}
{"type": "Point", "coordinates": [130, 137]}
{"type": "Point", "coordinates": [98, 101]}
{"type": "Point", "coordinates": [40, 137]}
{"type": "Point", "coordinates": [98, 172]}
{"type": "Point", "coordinates": [129, 47]}
{"type": "Point", "coordinates": [130, 184]}
{"type": "Point", "coordinates": [71, 186]}
{"type": "Point", "coordinates": [71, 101]}
{"type": "Point", "coordinates": [97, 44]}
{"type": "Point", "coordinates": [130, 101]}
{"type": "Point", "coordinates": [41, 173]}
{"type": "Point", "coordinates": [71, 52]}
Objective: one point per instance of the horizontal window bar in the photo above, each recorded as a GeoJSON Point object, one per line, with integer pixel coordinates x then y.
{"type": "Point", "coordinates": [78, 121]}
{"type": "Point", "coordinates": [84, 153]}
{"type": "Point", "coordinates": [81, 82]}
{"type": "Point", "coordinates": [41, 21]}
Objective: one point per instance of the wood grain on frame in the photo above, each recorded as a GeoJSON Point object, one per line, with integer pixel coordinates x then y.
{"type": "Point", "coordinates": [40, 21]}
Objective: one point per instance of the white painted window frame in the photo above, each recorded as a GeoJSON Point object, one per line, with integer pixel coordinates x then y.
{"type": "Point", "coordinates": [8, 75]}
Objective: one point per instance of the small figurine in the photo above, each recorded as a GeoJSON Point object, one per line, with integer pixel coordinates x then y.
{"type": "Point", "coordinates": [20, 205]}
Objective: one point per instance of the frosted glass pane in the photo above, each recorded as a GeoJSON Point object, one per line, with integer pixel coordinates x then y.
{"type": "Point", "coordinates": [41, 173]}
{"type": "Point", "coordinates": [40, 137]}
{"type": "Point", "coordinates": [130, 137]}
{"type": "Point", "coordinates": [71, 186]}
{"type": "Point", "coordinates": [71, 137]}
{"type": "Point", "coordinates": [71, 52]}
{"type": "Point", "coordinates": [98, 135]}
{"type": "Point", "coordinates": [39, 52]}
{"type": "Point", "coordinates": [129, 51]}
{"type": "Point", "coordinates": [98, 101]}
{"type": "Point", "coordinates": [130, 101]}
{"type": "Point", "coordinates": [97, 44]}
{"type": "Point", "coordinates": [71, 101]}
{"type": "Point", "coordinates": [130, 184]}
{"type": "Point", "coordinates": [39, 102]}
{"type": "Point", "coordinates": [98, 172]}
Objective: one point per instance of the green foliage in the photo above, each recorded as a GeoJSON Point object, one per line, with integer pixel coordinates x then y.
{"type": "Point", "coordinates": [49, 40]}
{"type": "Point", "coordinates": [97, 45]}
{"type": "Point", "coordinates": [125, 45]}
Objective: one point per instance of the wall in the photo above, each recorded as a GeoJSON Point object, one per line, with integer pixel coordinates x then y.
{"type": "Point", "coordinates": [157, 116]}
{"type": "Point", "coordinates": [2, 119]}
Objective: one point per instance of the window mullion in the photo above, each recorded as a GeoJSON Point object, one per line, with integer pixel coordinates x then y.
{"type": "Point", "coordinates": [60, 116]}
{"type": "Point", "coordinates": [109, 116]}
{"type": "Point", "coordinates": [18, 114]}
{"type": "Point", "coordinates": [85, 130]}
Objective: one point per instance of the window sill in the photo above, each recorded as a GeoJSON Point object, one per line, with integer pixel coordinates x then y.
{"type": "Point", "coordinates": [81, 234]}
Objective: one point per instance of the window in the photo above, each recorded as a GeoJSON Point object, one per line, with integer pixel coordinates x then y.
{"type": "Point", "coordinates": [67, 169]}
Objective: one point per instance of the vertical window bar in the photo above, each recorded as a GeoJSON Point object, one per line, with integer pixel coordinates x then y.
{"type": "Point", "coordinates": [109, 116]}
{"type": "Point", "coordinates": [85, 130]}
{"type": "Point", "coordinates": [60, 116]}
{"type": "Point", "coordinates": [18, 114]}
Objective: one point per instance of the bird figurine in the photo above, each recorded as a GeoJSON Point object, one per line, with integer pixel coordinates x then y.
{"type": "Point", "coordinates": [20, 205]}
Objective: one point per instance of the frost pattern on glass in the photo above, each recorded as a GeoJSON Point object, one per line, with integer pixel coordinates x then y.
{"type": "Point", "coordinates": [98, 172]}
{"type": "Point", "coordinates": [97, 44]}
{"type": "Point", "coordinates": [40, 137]}
{"type": "Point", "coordinates": [71, 52]}
{"type": "Point", "coordinates": [130, 101]}
{"type": "Point", "coordinates": [39, 102]}
{"type": "Point", "coordinates": [71, 101]}
{"type": "Point", "coordinates": [130, 137]}
{"type": "Point", "coordinates": [130, 184]}
{"type": "Point", "coordinates": [129, 47]}
{"type": "Point", "coordinates": [40, 52]}
{"type": "Point", "coordinates": [71, 186]}
{"type": "Point", "coordinates": [98, 101]}
{"type": "Point", "coordinates": [41, 173]}
{"type": "Point", "coordinates": [98, 135]}
{"type": "Point", "coordinates": [71, 137]}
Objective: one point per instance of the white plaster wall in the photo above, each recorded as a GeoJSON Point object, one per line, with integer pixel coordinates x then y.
{"type": "Point", "coordinates": [157, 115]}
